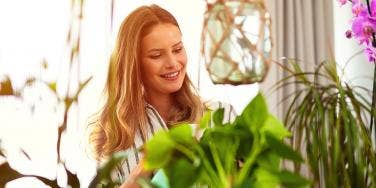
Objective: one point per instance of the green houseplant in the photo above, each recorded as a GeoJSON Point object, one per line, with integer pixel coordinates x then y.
{"type": "Point", "coordinates": [245, 153]}
{"type": "Point", "coordinates": [328, 117]}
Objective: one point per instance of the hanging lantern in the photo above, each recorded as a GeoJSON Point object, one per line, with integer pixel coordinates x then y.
{"type": "Point", "coordinates": [236, 41]}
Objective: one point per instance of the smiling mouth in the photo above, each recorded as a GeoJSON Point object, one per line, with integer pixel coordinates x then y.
{"type": "Point", "coordinates": [171, 75]}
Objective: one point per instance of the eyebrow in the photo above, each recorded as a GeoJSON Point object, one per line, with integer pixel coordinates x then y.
{"type": "Point", "coordinates": [156, 49]}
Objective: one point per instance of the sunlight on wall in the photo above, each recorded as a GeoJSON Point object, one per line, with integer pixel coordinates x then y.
{"type": "Point", "coordinates": [33, 31]}
{"type": "Point", "coordinates": [357, 69]}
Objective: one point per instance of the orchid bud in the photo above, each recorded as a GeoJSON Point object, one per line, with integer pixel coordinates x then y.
{"type": "Point", "coordinates": [348, 34]}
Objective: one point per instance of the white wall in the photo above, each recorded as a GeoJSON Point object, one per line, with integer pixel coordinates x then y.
{"type": "Point", "coordinates": [358, 71]}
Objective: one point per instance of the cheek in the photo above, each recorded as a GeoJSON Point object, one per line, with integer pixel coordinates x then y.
{"type": "Point", "coordinates": [149, 73]}
{"type": "Point", "coordinates": [150, 67]}
{"type": "Point", "coordinates": [182, 59]}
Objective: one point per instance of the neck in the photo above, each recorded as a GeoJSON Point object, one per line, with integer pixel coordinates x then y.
{"type": "Point", "coordinates": [162, 103]}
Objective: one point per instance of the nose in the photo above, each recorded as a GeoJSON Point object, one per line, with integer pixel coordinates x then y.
{"type": "Point", "coordinates": [171, 61]}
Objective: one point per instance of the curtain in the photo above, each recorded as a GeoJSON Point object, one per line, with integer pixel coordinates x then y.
{"type": "Point", "coordinates": [303, 30]}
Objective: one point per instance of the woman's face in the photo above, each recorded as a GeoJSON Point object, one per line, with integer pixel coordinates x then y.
{"type": "Point", "coordinates": [163, 60]}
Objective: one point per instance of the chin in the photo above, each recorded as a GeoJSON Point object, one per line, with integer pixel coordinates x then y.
{"type": "Point", "coordinates": [173, 88]}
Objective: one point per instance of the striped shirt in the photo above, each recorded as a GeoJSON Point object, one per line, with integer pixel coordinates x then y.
{"type": "Point", "coordinates": [155, 124]}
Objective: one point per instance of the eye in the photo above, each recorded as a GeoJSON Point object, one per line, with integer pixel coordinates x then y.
{"type": "Point", "coordinates": [177, 50]}
{"type": "Point", "coordinates": [155, 56]}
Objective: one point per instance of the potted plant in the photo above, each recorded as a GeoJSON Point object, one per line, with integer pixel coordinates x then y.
{"type": "Point", "coordinates": [328, 117]}
{"type": "Point", "coordinates": [244, 153]}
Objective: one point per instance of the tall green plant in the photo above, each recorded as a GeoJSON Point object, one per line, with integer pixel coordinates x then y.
{"type": "Point", "coordinates": [245, 153]}
{"type": "Point", "coordinates": [328, 117]}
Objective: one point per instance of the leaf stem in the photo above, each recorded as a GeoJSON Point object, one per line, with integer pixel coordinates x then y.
{"type": "Point", "coordinates": [255, 151]}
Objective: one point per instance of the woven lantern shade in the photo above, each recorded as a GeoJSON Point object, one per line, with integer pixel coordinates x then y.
{"type": "Point", "coordinates": [236, 41]}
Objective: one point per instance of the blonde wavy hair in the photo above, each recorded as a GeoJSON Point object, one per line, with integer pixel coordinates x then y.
{"type": "Point", "coordinates": [124, 113]}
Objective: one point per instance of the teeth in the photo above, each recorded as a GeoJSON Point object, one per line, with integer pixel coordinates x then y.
{"type": "Point", "coordinates": [171, 75]}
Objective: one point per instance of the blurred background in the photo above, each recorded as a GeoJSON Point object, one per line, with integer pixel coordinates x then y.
{"type": "Point", "coordinates": [34, 43]}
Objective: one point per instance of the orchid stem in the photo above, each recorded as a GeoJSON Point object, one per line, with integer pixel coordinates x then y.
{"type": "Point", "coordinates": [374, 80]}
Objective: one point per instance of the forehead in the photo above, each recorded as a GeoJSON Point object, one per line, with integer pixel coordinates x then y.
{"type": "Point", "coordinates": [161, 36]}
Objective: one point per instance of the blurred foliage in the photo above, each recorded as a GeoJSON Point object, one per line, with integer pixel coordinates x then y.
{"type": "Point", "coordinates": [7, 89]}
{"type": "Point", "coordinates": [103, 177]}
{"type": "Point", "coordinates": [8, 173]}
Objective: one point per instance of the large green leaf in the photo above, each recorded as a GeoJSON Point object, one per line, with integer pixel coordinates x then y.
{"type": "Point", "coordinates": [263, 178]}
{"type": "Point", "coordinates": [274, 128]}
{"type": "Point", "coordinates": [289, 179]}
{"type": "Point", "coordinates": [269, 160]}
{"type": "Point", "coordinates": [158, 151]}
{"type": "Point", "coordinates": [182, 134]}
{"type": "Point", "coordinates": [225, 141]}
{"type": "Point", "coordinates": [246, 138]}
{"type": "Point", "coordinates": [282, 149]}
{"type": "Point", "coordinates": [181, 173]}
{"type": "Point", "coordinates": [255, 113]}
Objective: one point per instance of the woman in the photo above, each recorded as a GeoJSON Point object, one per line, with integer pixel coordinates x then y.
{"type": "Point", "coordinates": [147, 87]}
